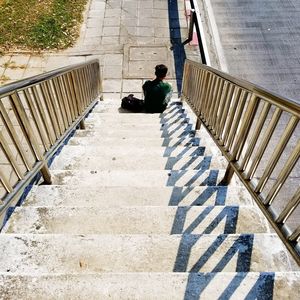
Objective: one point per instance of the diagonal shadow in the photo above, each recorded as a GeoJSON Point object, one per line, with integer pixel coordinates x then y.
{"type": "Point", "coordinates": [179, 194]}
{"type": "Point", "coordinates": [242, 246]}
{"type": "Point", "coordinates": [228, 213]}
{"type": "Point", "coordinates": [261, 290]}
{"type": "Point", "coordinates": [193, 163]}
{"type": "Point", "coordinates": [210, 180]}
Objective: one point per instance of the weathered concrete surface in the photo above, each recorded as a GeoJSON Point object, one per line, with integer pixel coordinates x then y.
{"type": "Point", "coordinates": [97, 196]}
{"type": "Point", "coordinates": [88, 254]}
{"type": "Point", "coordinates": [149, 286]}
{"type": "Point", "coordinates": [260, 41]}
{"type": "Point", "coordinates": [150, 178]}
{"type": "Point", "coordinates": [137, 220]}
{"type": "Point", "coordinates": [120, 161]}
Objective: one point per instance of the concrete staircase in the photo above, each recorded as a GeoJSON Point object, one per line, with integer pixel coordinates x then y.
{"type": "Point", "coordinates": [136, 212]}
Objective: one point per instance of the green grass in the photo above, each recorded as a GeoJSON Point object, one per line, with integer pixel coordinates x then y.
{"type": "Point", "coordinates": [39, 24]}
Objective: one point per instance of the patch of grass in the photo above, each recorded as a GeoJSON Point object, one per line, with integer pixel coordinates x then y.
{"type": "Point", "coordinates": [40, 24]}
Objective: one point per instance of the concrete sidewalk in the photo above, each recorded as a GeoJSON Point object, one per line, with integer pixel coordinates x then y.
{"type": "Point", "coordinates": [128, 37]}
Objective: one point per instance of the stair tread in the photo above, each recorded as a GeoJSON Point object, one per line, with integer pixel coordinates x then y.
{"type": "Point", "coordinates": [98, 196]}
{"type": "Point", "coordinates": [46, 253]}
{"type": "Point", "coordinates": [137, 220]}
{"type": "Point", "coordinates": [151, 285]}
{"type": "Point", "coordinates": [127, 158]}
{"type": "Point", "coordinates": [138, 177]}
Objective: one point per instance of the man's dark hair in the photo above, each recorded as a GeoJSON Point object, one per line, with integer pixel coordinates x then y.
{"type": "Point", "coordinates": [161, 71]}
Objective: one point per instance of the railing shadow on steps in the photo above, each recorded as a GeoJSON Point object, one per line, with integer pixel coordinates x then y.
{"type": "Point", "coordinates": [37, 116]}
{"type": "Point", "coordinates": [239, 249]}
{"type": "Point", "coordinates": [258, 133]}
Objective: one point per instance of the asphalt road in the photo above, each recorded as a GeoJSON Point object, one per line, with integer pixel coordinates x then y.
{"type": "Point", "coordinates": [260, 40]}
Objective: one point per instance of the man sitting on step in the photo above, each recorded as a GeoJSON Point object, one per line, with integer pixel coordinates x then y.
{"type": "Point", "coordinates": [157, 92]}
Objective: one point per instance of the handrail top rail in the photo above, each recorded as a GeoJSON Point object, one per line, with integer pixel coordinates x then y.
{"type": "Point", "coordinates": [20, 84]}
{"type": "Point", "coordinates": [283, 102]}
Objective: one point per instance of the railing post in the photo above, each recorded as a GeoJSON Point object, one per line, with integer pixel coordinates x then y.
{"type": "Point", "coordinates": [198, 124]}
{"type": "Point", "coordinates": [228, 175]}
{"type": "Point", "coordinates": [82, 125]}
{"type": "Point", "coordinates": [46, 174]}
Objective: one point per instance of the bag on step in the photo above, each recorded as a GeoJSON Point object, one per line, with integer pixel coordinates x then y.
{"type": "Point", "coordinates": [133, 104]}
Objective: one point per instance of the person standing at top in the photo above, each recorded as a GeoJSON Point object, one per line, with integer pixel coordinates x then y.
{"type": "Point", "coordinates": [157, 92]}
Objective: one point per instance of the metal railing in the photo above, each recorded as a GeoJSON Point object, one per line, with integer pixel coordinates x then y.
{"type": "Point", "coordinates": [259, 134]}
{"type": "Point", "coordinates": [37, 115]}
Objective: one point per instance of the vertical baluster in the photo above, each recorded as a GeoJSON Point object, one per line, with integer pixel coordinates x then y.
{"type": "Point", "coordinates": [65, 105]}
{"type": "Point", "coordinates": [78, 94]}
{"type": "Point", "coordinates": [260, 123]}
{"type": "Point", "coordinates": [294, 237]}
{"type": "Point", "coordinates": [72, 101]}
{"type": "Point", "coordinates": [277, 153]}
{"type": "Point", "coordinates": [5, 182]}
{"type": "Point", "coordinates": [50, 110]}
{"type": "Point", "coordinates": [232, 110]}
{"type": "Point", "coordinates": [13, 135]}
{"type": "Point", "coordinates": [38, 124]}
{"type": "Point", "coordinates": [214, 101]}
{"type": "Point", "coordinates": [220, 108]}
{"type": "Point", "coordinates": [236, 119]}
{"type": "Point", "coordinates": [224, 113]}
{"type": "Point", "coordinates": [72, 94]}
{"type": "Point", "coordinates": [289, 208]}
{"type": "Point", "coordinates": [48, 127]}
{"type": "Point", "coordinates": [216, 106]}
{"type": "Point", "coordinates": [56, 107]}
{"type": "Point", "coordinates": [265, 141]}
{"type": "Point", "coordinates": [246, 123]}
{"type": "Point", "coordinates": [283, 175]}
{"type": "Point", "coordinates": [208, 99]}
{"type": "Point", "coordinates": [29, 134]}
{"type": "Point", "coordinates": [10, 157]}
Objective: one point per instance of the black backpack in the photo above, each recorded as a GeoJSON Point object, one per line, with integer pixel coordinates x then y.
{"type": "Point", "coordinates": [133, 104]}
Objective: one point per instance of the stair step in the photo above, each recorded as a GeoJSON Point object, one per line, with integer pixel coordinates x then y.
{"type": "Point", "coordinates": [99, 149]}
{"type": "Point", "coordinates": [137, 220]}
{"type": "Point", "coordinates": [80, 139]}
{"type": "Point", "coordinates": [137, 118]}
{"type": "Point", "coordinates": [252, 285]}
{"type": "Point", "coordinates": [116, 108]}
{"type": "Point", "coordinates": [151, 178]}
{"type": "Point", "coordinates": [59, 195]}
{"type": "Point", "coordinates": [38, 254]}
{"type": "Point", "coordinates": [136, 161]}
{"type": "Point", "coordinates": [120, 132]}
{"type": "Point", "coordinates": [102, 125]}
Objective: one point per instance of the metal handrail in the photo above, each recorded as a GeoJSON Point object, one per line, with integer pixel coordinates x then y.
{"type": "Point", "coordinates": [37, 114]}
{"type": "Point", "coordinates": [242, 118]}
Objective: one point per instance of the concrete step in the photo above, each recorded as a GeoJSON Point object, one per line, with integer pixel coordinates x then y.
{"type": "Point", "coordinates": [115, 107]}
{"type": "Point", "coordinates": [139, 178]}
{"type": "Point", "coordinates": [38, 254]}
{"type": "Point", "coordinates": [163, 128]}
{"type": "Point", "coordinates": [175, 102]}
{"type": "Point", "coordinates": [110, 141]}
{"type": "Point", "coordinates": [120, 131]}
{"type": "Point", "coordinates": [136, 161]}
{"type": "Point", "coordinates": [165, 286]}
{"type": "Point", "coordinates": [137, 220]}
{"type": "Point", "coordinates": [142, 118]}
{"type": "Point", "coordinates": [99, 196]}
{"type": "Point", "coordinates": [137, 118]}
{"type": "Point", "coordinates": [98, 149]}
